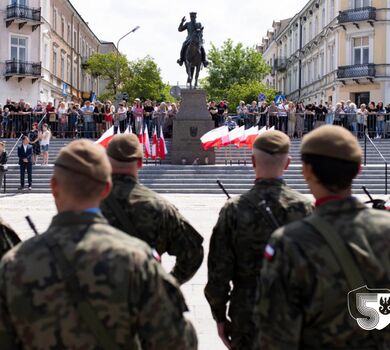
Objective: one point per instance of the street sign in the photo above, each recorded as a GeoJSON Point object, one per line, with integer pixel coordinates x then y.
{"type": "Point", "coordinates": [262, 97]}
{"type": "Point", "coordinates": [175, 92]}
{"type": "Point", "coordinates": [279, 99]}
{"type": "Point", "coordinates": [64, 87]}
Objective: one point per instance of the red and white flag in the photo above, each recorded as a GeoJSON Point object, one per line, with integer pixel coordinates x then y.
{"type": "Point", "coordinates": [213, 138]}
{"type": "Point", "coordinates": [105, 139]}
{"type": "Point", "coordinates": [235, 135]}
{"type": "Point", "coordinates": [128, 130]}
{"type": "Point", "coordinates": [250, 136]}
{"type": "Point", "coordinates": [163, 147]}
{"type": "Point", "coordinates": [146, 142]}
{"type": "Point", "coordinates": [155, 151]}
{"type": "Point", "coordinates": [141, 137]}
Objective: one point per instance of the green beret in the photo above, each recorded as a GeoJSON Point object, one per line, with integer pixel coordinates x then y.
{"type": "Point", "coordinates": [125, 148]}
{"type": "Point", "coordinates": [83, 157]}
{"type": "Point", "coordinates": [272, 142]}
{"type": "Point", "coordinates": [334, 142]}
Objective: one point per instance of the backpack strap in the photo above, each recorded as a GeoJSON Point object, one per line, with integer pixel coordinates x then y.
{"type": "Point", "coordinates": [84, 308]}
{"type": "Point", "coordinates": [337, 245]}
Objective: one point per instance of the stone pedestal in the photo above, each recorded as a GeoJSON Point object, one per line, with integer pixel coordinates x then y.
{"type": "Point", "coordinates": [191, 123]}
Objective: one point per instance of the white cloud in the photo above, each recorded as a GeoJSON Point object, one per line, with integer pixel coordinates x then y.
{"type": "Point", "coordinates": [244, 21]}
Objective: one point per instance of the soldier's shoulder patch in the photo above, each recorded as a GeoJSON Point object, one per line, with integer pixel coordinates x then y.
{"type": "Point", "coordinates": [269, 252]}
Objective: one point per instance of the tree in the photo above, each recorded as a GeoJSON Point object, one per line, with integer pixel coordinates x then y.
{"type": "Point", "coordinates": [103, 65]}
{"type": "Point", "coordinates": [144, 80]}
{"type": "Point", "coordinates": [248, 92]}
{"type": "Point", "coordinates": [233, 64]}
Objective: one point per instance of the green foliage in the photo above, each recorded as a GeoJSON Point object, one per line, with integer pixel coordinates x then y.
{"type": "Point", "coordinates": [248, 92]}
{"type": "Point", "coordinates": [232, 64]}
{"type": "Point", "coordinates": [144, 80]}
{"type": "Point", "coordinates": [140, 78]}
{"type": "Point", "coordinates": [104, 66]}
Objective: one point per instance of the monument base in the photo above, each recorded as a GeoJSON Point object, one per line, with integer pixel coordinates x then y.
{"type": "Point", "coordinates": [190, 124]}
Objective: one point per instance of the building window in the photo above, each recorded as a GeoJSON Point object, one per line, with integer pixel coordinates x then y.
{"type": "Point", "coordinates": [74, 75]}
{"type": "Point", "coordinates": [331, 58]}
{"type": "Point", "coordinates": [361, 3]}
{"type": "Point", "coordinates": [310, 36]}
{"type": "Point", "coordinates": [63, 28]}
{"type": "Point", "coordinates": [304, 35]}
{"type": "Point", "coordinates": [361, 50]}
{"type": "Point", "coordinates": [309, 76]}
{"type": "Point", "coordinates": [69, 71]}
{"type": "Point", "coordinates": [322, 63]}
{"type": "Point", "coordinates": [18, 48]}
{"type": "Point", "coordinates": [74, 40]}
{"type": "Point", "coordinates": [69, 37]}
{"type": "Point", "coordinates": [63, 68]}
{"type": "Point", "coordinates": [296, 41]}
{"type": "Point", "coordinates": [45, 55]}
{"type": "Point", "coordinates": [55, 19]}
{"type": "Point", "coordinates": [323, 17]}
{"type": "Point", "coordinates": [316, 29]}
{"type": "Point", "coordinates": [54, 62]}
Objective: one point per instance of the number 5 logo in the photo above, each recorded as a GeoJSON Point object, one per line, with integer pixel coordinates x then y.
{"type": "Point", "coordinates": [370, 307]}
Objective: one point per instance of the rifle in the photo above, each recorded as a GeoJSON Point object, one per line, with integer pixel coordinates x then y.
{"type": "Point", "coordinates": [223, 189]}
{"type": "Point", "coordinates": [267, 213]}
{"type": "Point", "coordinates": [376, 203]}
{"type": "Point", "coordinates": [32, 225]}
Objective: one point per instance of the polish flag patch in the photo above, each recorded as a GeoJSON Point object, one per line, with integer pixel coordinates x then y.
{"type": "Point", "coordinates": [269, 252]}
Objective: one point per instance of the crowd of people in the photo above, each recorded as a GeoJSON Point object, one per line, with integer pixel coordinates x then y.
{"type": "Point", "coordinates": [296, 118]}
{"type": "Point", "coordinates": [87, 120]}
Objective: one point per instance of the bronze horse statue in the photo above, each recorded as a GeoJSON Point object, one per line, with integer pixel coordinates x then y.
{"type": "Point", "coordinates": [193, 57]}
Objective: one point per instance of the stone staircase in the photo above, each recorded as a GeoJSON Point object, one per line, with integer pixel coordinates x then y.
{"type": "Point", "coordinates": [233, 169]}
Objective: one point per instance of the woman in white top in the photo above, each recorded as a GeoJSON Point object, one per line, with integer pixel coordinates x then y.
{"type": "Point", "coordinates": [62, 120]}
{"type": "Point", "coordinates": [45, 137]}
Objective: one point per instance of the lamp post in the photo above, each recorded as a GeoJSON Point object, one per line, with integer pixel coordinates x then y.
{"type": "Point", "coordinates": [117, 57]}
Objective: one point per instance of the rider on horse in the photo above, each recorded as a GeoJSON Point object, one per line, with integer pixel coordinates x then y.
{"type": "Point", "coordinates": [191, 27]}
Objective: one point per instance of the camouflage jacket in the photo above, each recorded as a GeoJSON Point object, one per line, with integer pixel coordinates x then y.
{"type": "Point", "coordinates": [239, 238]}
{"type": "Point", "coordinates": [303, 290]}
{"type": "Point", "coordinates": [8, 238]}
{"type": "Point", "coordinates": [156, 221]}
{"type": "Point", "coordinates": [137, 302]}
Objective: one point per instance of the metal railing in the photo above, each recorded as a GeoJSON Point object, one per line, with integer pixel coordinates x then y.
{"type": "Point", "coordinates": [357, 15]}
{"type": "Point", "coordinates": [366, 137]}
{"type": "Point", "coordinates": [23, 12]}
{"type": "Point", "coordinates": [356, 71]}
{"type": "Point", "coordinates": [280, 64]}
{"type": "Point", "coordinates": [23, 68]}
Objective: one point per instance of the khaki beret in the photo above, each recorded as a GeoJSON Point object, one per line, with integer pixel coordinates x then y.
{"type": "Point", "coordinates": [334, 142]}
{"type": "Point", "coordinates": [272, 142]}
{"type": "Point", "coordinates": [125, 148]}
{"type": "Point", "coordinates": [85, 158]}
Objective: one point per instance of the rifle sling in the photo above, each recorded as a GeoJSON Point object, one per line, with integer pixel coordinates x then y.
{"type": "Point", "coordinates": [84, 308]}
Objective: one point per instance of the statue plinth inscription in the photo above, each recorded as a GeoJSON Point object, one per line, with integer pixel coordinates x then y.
{"type": "Point", "coordinates": [190, 124]}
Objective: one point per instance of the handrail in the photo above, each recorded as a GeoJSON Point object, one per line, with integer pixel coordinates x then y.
{"type": "Point", "coordinates": [367, 137]}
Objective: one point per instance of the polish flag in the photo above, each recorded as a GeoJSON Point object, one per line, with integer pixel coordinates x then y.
{"type": "Point", "coordinates": [141, 137]}
{"type": "Point", "coordinates": [163, 147]}
{"type": "Point", "coordinates": [128, 130]}
{"type": "Point", "coordinates": [155, 151]}
{"type": "Point", "coordinates": [105, 139]}
{"type": "Point", "coordinates": [146, 142]}
{"type": "Point", "coordinates": [235, 136]}
{"type": "Point", "coordinates": [214, 137]}
{"type": "Point", "coordinates": [272, 128]}
{"type": "Point", "coordinates": [250, 136]}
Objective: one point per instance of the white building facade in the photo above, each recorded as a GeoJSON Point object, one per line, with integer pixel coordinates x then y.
{"type": "Point", "coordinates": [45, 44]}
{"type": "Point", "coordinates": [332, 50]}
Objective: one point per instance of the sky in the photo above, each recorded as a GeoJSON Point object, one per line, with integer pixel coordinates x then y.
{"type": "Point", "coordinates": [245, 21]}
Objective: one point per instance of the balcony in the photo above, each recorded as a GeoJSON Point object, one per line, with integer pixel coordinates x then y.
{"type": "Point", "coordinates": [357, 71]}
{"type": "Point", "coordinates": [23, 15]}
{"type": "Point", "coordinates": [280, 64]}
{"type": "Point", "coordinates": [22, 69]}
{"type": "Point", "coordinates": [357, 15]}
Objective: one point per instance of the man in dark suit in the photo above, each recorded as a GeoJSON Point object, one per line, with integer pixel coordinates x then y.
{"type": "Point", "coordinates": [25, 153]}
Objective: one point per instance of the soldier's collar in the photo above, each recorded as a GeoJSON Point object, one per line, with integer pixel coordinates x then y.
{"type": "Point", "coordinates": [125, 176]}
{"type": "Point", "coordinates": [70, 218]}
{"type": "Point", "coordinates": [278, 180]}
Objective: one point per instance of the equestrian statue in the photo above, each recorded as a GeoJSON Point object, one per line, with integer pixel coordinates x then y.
{"type": "Point", "coordinates": [192, 53]}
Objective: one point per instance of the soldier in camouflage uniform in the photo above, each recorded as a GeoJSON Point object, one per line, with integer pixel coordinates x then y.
{"type": "Point", "coordinates": [144, 214]}
{"type": "Point", "coordinates": [240, 235]}
{"type": "Point", "coordinates": [84, 284]}
{"type": "Point", "coordinates": [8, 238]}
{"type": "Point", "coordinates": [304, 280]}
